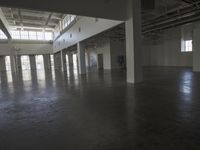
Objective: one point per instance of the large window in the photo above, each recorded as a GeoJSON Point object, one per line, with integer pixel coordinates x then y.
{"type": "Point", "coordinates": [24, 35]}
{"type": "Point", "coordinates": [2, 35]}
{"type": "Point", "coordinates": [52, 61]}
{"type": "Point", "coordinates": [29, 35]}
{"type": "Point", "coordinates": [25, 62]}
{"type": "Point", "coordinates": [15, 34]}
{"type": "Point", "coordinates": [32, 35]}
{"type": "Point", "coordinates": [66, 22]}
{"type": "Point", "coordinates": [40, 36]}
{"type": "Point", "coordinates": [48, 36]}
{"type": "Point", "coordinates": [186, 46]}
{"type": "Point", "coordinates": [75, 63]}
{"type": "Point", "coordinates": [39, 62]}
{"type": "Point", "coordinates": [8, 65]}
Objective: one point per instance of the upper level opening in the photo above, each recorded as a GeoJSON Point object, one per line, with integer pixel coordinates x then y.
{"type": "Point", "coordinates": [24, 24]}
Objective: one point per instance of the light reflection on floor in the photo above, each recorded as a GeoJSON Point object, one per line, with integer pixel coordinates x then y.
{"type": "Point", "coordinates": [186, 84]}
{"type": "Point", "coordinates": [27, 77]}
{"type": "Point", "coordinates": [9, 76]}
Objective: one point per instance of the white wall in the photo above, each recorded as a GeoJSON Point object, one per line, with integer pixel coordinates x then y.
{"type": "Point", "coordinates": [101, 47]}
{"type": "Point", "coordinates": [89, 27]}
{"type": "Point", "coordinates": [166, 50]}
{"type": "Point", "coordinates": [26, 47]}
{"type": "Point", "coordinates": [110, 49]}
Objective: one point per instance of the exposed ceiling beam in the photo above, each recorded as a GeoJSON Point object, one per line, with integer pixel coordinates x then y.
{"type": "Point", "coordinates": [4, 26]}
{"type": "Point", "coordinates": [36, 14]}
{"type": "Point", "coordinates": [48, 19]}
{"type": "Point", "coordinates": [20, 17]}
{"type": "Point", "coordinates": [36, 22]}
{"type": "Point", "coordinates": [12, 16]}
{"type": "Point", "coordinates": [27, 27]}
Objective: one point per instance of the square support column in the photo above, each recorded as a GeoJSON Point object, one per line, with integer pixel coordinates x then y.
{"type": "Point", "coordinates": [47, 61]}
{"type": "Point", "coordinates": [88, 60]}
{"type": "Point", "coordinates": [19, 63]}
{"type": "Point", "coordinates": [57, 61]}
{"type": "Point", "coordinates": [32, 62]}
{"type": "Point", "coordinates": [13, 63]}
{"type": "Point", "coordinates": [70, 60]}
{"type": "Point", "coordinates": [63, 61]}
{"type": "Point", "coordinates": [2, 64]}
{"type": "Point", "coordinates": [133, 42]}
{"type": "Point", "coordinates": [196, 48]}
{"type": "Point", "coordinates": [81, 58]}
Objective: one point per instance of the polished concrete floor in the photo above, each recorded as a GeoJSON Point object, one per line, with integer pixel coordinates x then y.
{"type": "Point", "coordinates": [41, 111]}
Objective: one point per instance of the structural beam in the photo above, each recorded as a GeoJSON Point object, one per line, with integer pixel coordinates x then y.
{"type": "Point", "coordinates": [48, 19]}
{"type": "Point", "coordinates": [20, 17]}
{"type": "Point", "coordinates": [4, 26]}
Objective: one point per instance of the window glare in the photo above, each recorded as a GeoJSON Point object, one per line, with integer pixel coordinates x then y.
{"type": "Point", "coordinates": [48, 35]}
{"type": "Point", "coordinates": [66, 22]}
{"type": "Point", "coordinates": [2, 35]}
{"type": "Point", "coordinates": [28, 35]}
{"type": "Point", "coordinates": [187, 46]}
{"type": "Point", "coordinates": [24, 35]}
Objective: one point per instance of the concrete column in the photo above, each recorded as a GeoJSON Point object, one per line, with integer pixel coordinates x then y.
{"type": "Point", "coordinates": [13, 63]}
{"type": "Point", "coordinates": [70, 60]}
{"type": "Point", "coordinates": [63, 60]}
{"type": "Point", "coordinates": [196, 48]}
{"type": "Point", "coordinates": [2, 63]}
{"type": "Point", "coordinates": [88, 60]}
{"type": "Point", "coordinates": [19, 63]}
{"type": "Point", "coordinates": [57, 61]}
{"type": "Point", "coordinates": [133, 42]}
{"type": "Point", "coordinates": [32, 62]}
{"type": "Point", "coordinates": [81, 58]}
{"type": "Point", "coordinates": [47, 61]}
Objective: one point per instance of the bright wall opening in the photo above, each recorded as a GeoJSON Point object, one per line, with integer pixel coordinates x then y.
{"type": "Point", "coordinates": [186, 46]}
{"type": "Point", "coordinates": [25, 62]}
{"type": "Point", "coordinates": [8, 64]}
{"type": "Point", "coordinates": [75, 63]}
{"type": "Point", "coordinates": [39, 62]}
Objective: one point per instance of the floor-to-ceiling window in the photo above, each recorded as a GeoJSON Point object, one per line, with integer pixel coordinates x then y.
{"type": "Point", "coordinates": [8, 68]}
{"type": "Point", "coordinates": [40, 67]}
{"type": "Point", "coordinates": [75, 63]}
{"type": "Point", "coordinates": [39, 62]}
{"type": "Point", "coordinates": [52, 61]}
{"type": "Point", "coordinates": [26, 67]}
{"type": "Point", "coordinates": [8, 64]}
{"type": "Point", "coordinates": [67, 63]}
{"type": "Point", "coordinates": [52, 66]}
{"type": "Point", "coordinates": [25, 62]}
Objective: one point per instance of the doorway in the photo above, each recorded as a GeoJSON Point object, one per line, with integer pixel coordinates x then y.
{"type": "Point", "coordinates": [100, 61]}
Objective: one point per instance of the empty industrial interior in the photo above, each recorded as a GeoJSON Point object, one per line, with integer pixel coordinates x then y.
{"type": "Point", "coordinates": [100, 75]}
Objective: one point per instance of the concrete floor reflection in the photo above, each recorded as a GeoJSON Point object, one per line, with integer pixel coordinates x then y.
{"type": "Point", "coordinates": [100, 111]}
{"type": "Point", "coordinates": [186, 82]}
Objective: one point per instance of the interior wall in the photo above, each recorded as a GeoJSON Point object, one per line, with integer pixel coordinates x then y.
{"type": "Point", "coordinates": [165, 50]}
{"type": "Point", "coordinates": [26, 48]}
{"type": "Point", "coordinates": [101, 47]}
{"type": "Point", "coordinates": [111, 49]}
{"type": "Point", "coordinates": [84, 28]}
